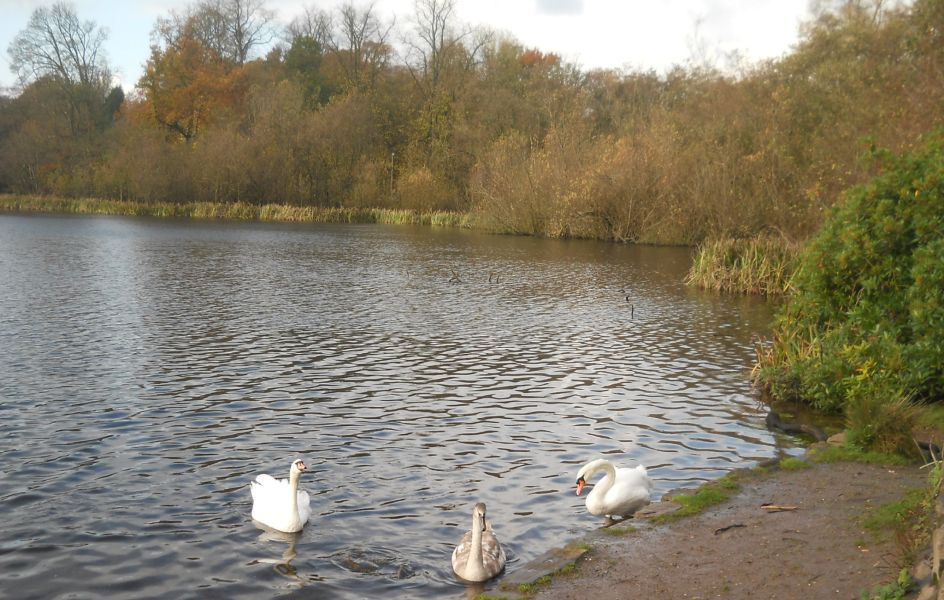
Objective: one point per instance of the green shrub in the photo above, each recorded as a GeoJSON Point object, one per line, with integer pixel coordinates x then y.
{"type": "Point", "coordinates": [864, 328]}
{"type": "Point", "coordinates": [880, 422]}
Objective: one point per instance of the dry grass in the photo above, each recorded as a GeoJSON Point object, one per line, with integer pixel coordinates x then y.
{"type": "Point", "coordinates": [235, 211]}
{"type": "Point", "coordinates": [758, 265]}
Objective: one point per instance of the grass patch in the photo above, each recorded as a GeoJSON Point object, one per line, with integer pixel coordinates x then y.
{"type": "Point", "coordinates": [568, 569]}
{"type": "Point", "coordinates": [706, 496]}
{"type": "Point", "coordinates": [619, 531]}
{"type": "Point", "coordinates": [758, 265]}
{"type": "Point", "coordinates": [931, 416]}
{"type": "Point", "coordinates": [894, 515]}
{"type": "Point", "coordinates": [529, 588]}
{"type": "Point", "coordinates": [908, 522]}
{"type": "Point", "coordinates": [898, 590]}
{"type": "Point", "coordinates": [792, 463]}
{"type": "Point", "coordinates": [847, 453]}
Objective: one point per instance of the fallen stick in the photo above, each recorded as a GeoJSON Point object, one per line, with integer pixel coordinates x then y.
{"type": "Point", "coordinates": [723, 529]}
{"type": "Point", "coordinates": [776, 507]}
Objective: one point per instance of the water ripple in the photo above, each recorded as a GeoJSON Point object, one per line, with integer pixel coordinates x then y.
{"type": "Point", "coordinates": [152, 368]}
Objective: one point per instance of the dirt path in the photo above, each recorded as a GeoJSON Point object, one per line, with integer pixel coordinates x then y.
{"type": "Point", "coordinates": [818, 550]}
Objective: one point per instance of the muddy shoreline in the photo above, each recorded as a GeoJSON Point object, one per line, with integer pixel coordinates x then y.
{"type": "Point", "coordinates": [816, 548]}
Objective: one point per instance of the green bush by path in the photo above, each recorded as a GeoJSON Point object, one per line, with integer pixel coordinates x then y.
{"type": "Point", "coordinates": [864, 332]}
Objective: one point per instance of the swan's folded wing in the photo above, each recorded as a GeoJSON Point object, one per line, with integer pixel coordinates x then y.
{"type": "Point", "coordinates": [461, 553]}
{"type": "Point", "coordinates": [304, 506]}
{"type": "Point", "coordinates": [628, 500]}
{"type": "Point", "coordinates": [265, 488]}
{"type": "Point", "coordinates": [492, 550]}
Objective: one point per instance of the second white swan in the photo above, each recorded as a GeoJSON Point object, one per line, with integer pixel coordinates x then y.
{"type": "Point", "coordinates": [620, 493]}
{"type": "Point", "coordinates": [279, 503]}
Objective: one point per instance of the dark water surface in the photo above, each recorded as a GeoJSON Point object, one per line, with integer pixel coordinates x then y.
{"type": "Point", "coordinates": [150, 369]}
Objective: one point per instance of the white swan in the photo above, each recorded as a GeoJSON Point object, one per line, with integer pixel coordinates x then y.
{"type": "Point", "coordinates": [479, 556]}
{"type": "Point", "coordinates": [620, 493]}
{"type": "Point", "coordinates": [278, 503]}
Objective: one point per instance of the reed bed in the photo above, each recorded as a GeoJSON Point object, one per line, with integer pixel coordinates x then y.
{"type": "Point", "coordinates": [235, 211]}
{"type": "Point", "coordinates": [759, 265]}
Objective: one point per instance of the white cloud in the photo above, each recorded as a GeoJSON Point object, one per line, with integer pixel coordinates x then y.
{"type": "Point", "coordinates": [560, 7]}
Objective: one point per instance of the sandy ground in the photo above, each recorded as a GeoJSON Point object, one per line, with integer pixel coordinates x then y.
{"type": "Point", "coordinates": [740, 550]}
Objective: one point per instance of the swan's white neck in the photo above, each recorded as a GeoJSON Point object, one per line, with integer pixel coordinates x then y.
{"type": "Point", "coordinates": [600, 490]}
{"type": "Point", "coordinates": [475, 567]}
{"type": "Point", "coordinates": [293, 477]}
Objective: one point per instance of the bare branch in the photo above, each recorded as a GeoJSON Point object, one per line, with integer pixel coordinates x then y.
{"type": "Point", "coordinates": [56, 43]}
{"type": "Point", "coordinates": [312, 23]}
{"type": "Point", "coordinates": [229, 28]}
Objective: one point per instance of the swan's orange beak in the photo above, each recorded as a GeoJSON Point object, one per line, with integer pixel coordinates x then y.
{"type": "Point", "coordinates": [581, 483]}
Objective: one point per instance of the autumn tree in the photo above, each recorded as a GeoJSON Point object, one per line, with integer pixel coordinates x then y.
{"type": "Point", "coordinates": [187, 83]}
{"type": "Point", "coordinates": [230, 28]}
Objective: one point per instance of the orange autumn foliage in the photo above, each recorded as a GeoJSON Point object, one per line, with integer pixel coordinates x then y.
{"type": "Point", "coordinates": [187, 86]}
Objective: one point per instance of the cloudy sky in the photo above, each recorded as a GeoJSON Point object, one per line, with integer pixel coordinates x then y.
{"type": "Point", "coordinates": [635, 34]}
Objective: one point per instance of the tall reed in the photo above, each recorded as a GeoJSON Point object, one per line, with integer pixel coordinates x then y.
{"type": "Point", "coordinates": [235, 211]}
{"type": "Point", "coordinates": [758, 265]}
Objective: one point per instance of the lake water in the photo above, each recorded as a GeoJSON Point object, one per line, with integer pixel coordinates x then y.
{"type": "Point", "coordinates": [150, 369]}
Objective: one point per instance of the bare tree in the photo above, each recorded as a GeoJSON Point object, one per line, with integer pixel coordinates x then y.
{"type": "Point", "coordinates": [355, 36]}
{"type": "Point", "coordinates": [57, 44]}
{"type": "Point", "coordinates": [65, 54]}
{"type": "Point", "coordinates": [312, 23]}
{"type": "Point", "coordinates": [361, 44]}
{"type": "Point", "coordinates": [230, 28]}
{"type": "Point", "coordinates": [249, 25]}
{"type": "Point", "coordinates": [439, 45]}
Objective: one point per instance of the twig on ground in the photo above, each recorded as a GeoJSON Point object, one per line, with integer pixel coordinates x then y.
{"type": "Point", "coordinates": [723, 529]}
{"type": "Point", "coordinates": [776, 507]}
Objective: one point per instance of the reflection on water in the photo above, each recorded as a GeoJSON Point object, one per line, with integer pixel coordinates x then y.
{"type": "Point", "coordinates": [150, 369]}
{"type": "Point", "coordinates": [283, 564]}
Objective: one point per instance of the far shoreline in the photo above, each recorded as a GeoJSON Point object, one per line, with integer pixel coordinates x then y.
{"type": "Point", "coordinates": [235, 211]}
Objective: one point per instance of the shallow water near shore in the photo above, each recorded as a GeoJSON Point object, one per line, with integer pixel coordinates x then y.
{"type": "Point", "coordinates": [149, 369]}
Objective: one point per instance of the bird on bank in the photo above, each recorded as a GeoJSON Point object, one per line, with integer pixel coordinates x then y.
{"type": "Point", "coordinates": [620, 493]}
